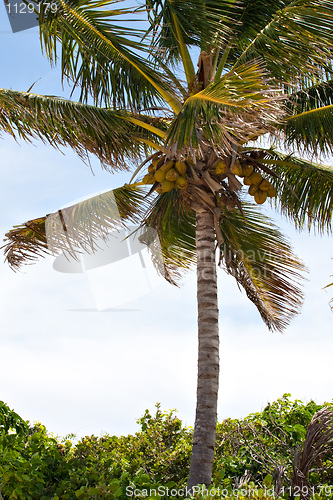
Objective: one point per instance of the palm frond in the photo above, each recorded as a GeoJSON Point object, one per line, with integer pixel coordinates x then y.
{"type": "Point", "coordinates": [317, 444]}
{"type": "Point", "coordinates": [252, 250]}
{"type": "Point", "coordinates": [175, 226]}
{"type": "Point", "coordinates": [308, 126]}
{"type": "Point", "coordinates": [240, 104]}
{"type": "Point", "coordinates": [296, 44]}
{"type": "Point", "coordinates": [109, 135]}
{"type": "Point", "coordinates": [310, 98]}
{"type": "Point", "coordinates": [263, 263]}
{"type": "Point", "coordinates": [191, 23]}
{"type": "Point", "coordinates": [74, 229]}
{"type": "Point", "coordinates": [304, 190]}
{"type": "Point", "coordinates": [310, 131]}
{"type": "Point", "coordinates": [102, 58]}
{"type": "Point", "coordinates": [245, 24]}
{"type": "Point", "coordinates": [254, 16]}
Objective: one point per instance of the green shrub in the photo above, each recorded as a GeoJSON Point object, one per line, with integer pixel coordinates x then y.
{"type": "Point", "coordinates": [254, 459]}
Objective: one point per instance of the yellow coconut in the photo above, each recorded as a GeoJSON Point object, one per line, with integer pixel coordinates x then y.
{"type": "Point", "coordinates": [255, 178]}
{"type": "Point", "coordinates": [253, 189]}
{"type": "Point", "coordinates": [237, 169]}
{"type": "Point", "coordinates": [156, 161]}
{"type": "Point", "coordinates": [221, 167]}
{"type": "Point", "coordinates": [260, 196]}
{"type": "Point", "coordinates": [265, 185]}
{"type": "Point", "coordinates": [148, 179]}
{"type": "Point", "coordinates": [247, 181]}
{"type": "Point", "coordinates": [181, 182]}
{"type": "Point", "coordinates": [271, 193]}
{"type": "Point", "coordinates": [151, 169]}
{"type": "Point", "coordinates": [171, 174]}
{"type": "Point", "coordinates": [158, 189]}
{"type": "Point", "coordinates": [247, 170]}
{"type": "Point", "coordinates": [159, 175]}
{"type": "Point", "coordinates": [167, 186]}
{"type": "Point", "coordinates": [181, 167]}
{"type": "Point", "coordinates": [166, 166]}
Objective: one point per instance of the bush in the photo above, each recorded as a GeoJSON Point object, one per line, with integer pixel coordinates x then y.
{"type": "Point", "coordinates": [255, 458]}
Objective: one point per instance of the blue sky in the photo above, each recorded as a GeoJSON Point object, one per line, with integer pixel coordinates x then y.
{"type": "Point", "coordinates": [93, 372]}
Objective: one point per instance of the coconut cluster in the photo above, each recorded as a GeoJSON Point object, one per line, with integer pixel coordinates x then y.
{"type": "Point", "coordinates": [169, 174]}
{"type": "Point", "coordinates": [259, 188]}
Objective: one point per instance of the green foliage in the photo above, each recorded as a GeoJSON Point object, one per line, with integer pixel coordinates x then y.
{"type": "Point", "coordinates": [249, 451]}
{"type": "Point", "coordinates": [11, 421]}
{"type": "Point", "coordinates": [32, 463]}
{"type": "Point", "coordinates": [262, 442]}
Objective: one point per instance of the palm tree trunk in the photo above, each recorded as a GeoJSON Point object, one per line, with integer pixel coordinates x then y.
{"type": "Point", "coordinates": [208, 353]}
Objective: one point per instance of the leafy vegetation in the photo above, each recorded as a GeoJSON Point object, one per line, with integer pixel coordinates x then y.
{"type": "Point", "coordinates": [255, 453]}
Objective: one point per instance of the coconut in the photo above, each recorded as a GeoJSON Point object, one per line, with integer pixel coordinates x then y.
{"type": "Point", "coordinates": [158, 189]}
{"type": "Point", "coordinates": [155, 162]}
{"type": "Point", "coordinates": [247, 181]}
{"type": "Point", "coordinates": [247, 170]}
{"type": "Point", "coordinates": [181, 182]}
{"type": "Point", "coordinates": [237, 169]}
{"type": "Point", "coordinates": [253, 189]}
{"type": "Point", "coordinates": [159, 175]}
{"type": "Point", "coordinates": [221, 167]}
{"type": "Point", "coordinates": [260, 196]}
{"type": "Point", "coordinates": [167, 186]}
{"type": "Point", "coordinates": [148, 179]}
{"type": "Point", "coordinates": [171, 174]}
{"type": "Point", "coordinates": [271, 192]}
{"type": "Point", "coordinates": [181, 167]}
{"type": "Point", "coordinates": [255, 178]}
{"type": "Point", "coordinates": [166, 166]}
{"type": "Point", "coordinates": [265, 185]}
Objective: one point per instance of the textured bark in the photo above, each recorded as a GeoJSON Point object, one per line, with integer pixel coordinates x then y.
{"type": "Point", "coordinates": [208, 353]}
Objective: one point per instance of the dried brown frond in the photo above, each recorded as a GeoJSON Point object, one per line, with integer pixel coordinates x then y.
{"type": "Point", "coordinates": [318, 443]}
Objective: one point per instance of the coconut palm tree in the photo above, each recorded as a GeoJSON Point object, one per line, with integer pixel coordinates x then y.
{"type": "Point", "coordinates": [208, 103]}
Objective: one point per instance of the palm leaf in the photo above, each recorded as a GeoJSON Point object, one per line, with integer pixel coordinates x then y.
{"type": "Point", "coordinates": [76, 228]}
{"type": "Point", "coordinates": [316, 447]}
{"type": "Point", "coordinates": [304, 190]}
{"type": "Point", "coordinates": [241, 103]}
{"type": "Point", "coordinates": [253, 251]}
{"type": "Point", "coordinates": [310, 131]}
{"type": "Point", "coordinates": [245, 24]}
{"type": "Point", "coordinates": [296, 44]}
{"type": "Point", "coordinates": [175, 226]}
{"type": "Point", "coordinates": [263, 263]}
{"type": "Point", "coordinates": [101, 57]}
{"type": "Point", "coordinates": [310, 98]}
{"type": "Point", "coordinates": [254, 16]}
{"type": "Point", "coordinates": [178, 24]}
{"type": "Point", "coordinates": [117, 138]}
{"type": "Point", "coordinates": [308, 126]}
